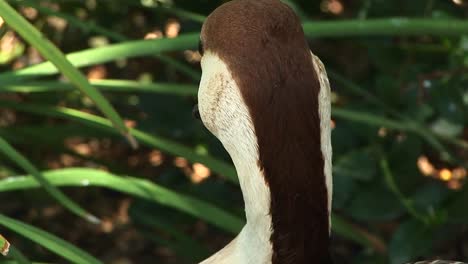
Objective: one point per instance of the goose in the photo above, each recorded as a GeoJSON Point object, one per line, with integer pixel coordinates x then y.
{"type": "Point", "coordinates": [266, 97]}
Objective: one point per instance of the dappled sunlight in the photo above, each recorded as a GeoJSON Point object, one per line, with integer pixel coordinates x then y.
{"type": "Point", "coordinates": [196, 172]}
{"type": "Point", "coordinates": [172, 28]}
{"type": "Point", "coordinates": [192, 56]}
{"type": "Point", "coordinates": [398, 93]}
{"type": "Point", "coordinates": [31, 13]}
{"type": "Point", "coordinates": [332, 6]}
{"type": "Point", "coordinates": [10, 48]}
{"type": "Point", "coordinates": [181, 162]}
{"type": "Point", "coordinates": [130, 123]}
{"type": "Point", "coordinates": [97, 72]}
{"type": "Point", "coordinates": [155, 34]}
{"type": "Point", "coordinates": [454, 178]}
{"type": "Point", "coordinates": [155, 158]}
{"type": "Point", "coordinates": [425, 166]}
{"type": "Point", "coordinates": [57, 23]}
{"type": "Point", "coordinates": [118, 219]}
{"type": "Point", "coordinates": [382, 132]}
{"type": "Point", "coordinates": [460, 2]}
{"type": "Point", "coordinates": [200, 173]}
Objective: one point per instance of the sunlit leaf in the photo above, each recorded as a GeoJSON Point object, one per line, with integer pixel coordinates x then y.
{"type": "Point", "coordinates": [4, 246]}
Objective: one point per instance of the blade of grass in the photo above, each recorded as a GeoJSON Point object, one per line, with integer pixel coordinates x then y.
{"type": "Point", "coordinates": [105, 85]}
{"type": "Point", "coordinates": [153, 141]}
{"type": "Point", "coordinates": [53, 54]}
{"type": "Point", "coordinates": [38, 136]}
{"type": "Point", "coordinates": [49, 241]}
{"type": "Point", "coordinates": [27, 166]}
{"type": "Point", "coordinates": [369, 119]}
{"type": "Point", "coordinates": [396, 26]}
{"type": "Point", "coordinates": [455, 141]}
{"type": "Point", "coordinates": [91, 27]}
{"type": "Point", "coordinates": [444, 153]}
{"type": "Point", "coordinates": [105, 54]}
{"type": "Point", "coordinates": [4, 246]}
{"type": "Point", "coordinates": [83, 177]}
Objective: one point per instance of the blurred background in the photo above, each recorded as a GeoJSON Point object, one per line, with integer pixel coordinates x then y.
{"type": "Point", "coordinates": [399, 75]}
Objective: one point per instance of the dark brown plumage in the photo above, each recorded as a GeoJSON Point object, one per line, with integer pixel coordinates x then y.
{"type": "Point", "coordinates": [263, 44]}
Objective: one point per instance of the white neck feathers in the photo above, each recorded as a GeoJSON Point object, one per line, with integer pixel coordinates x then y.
{"type": "Point", "coordinates": [238, 137]}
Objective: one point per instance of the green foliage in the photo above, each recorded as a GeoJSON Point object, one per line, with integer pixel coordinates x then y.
{"type": "Point", "coordinates": [53, 54]}
{"type": "Point", "coordinates": [136, 187]}
{"type": "Point", "coordinates": [53, 243]}
{"type": "Point", "coordinates": [21, 161]}
{"type": "Point", "coordinates": [398, 75]}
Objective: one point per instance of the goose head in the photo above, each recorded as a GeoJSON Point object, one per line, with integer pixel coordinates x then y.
{"type": "Point", "coordinates": [266, 98]}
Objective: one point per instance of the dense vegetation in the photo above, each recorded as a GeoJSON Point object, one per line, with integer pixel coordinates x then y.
{"type": "Point", "coordinates": [399, 75]}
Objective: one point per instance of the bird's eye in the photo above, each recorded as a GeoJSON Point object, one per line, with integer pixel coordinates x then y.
{"type": "Point", "coordinates": [200, 48]}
